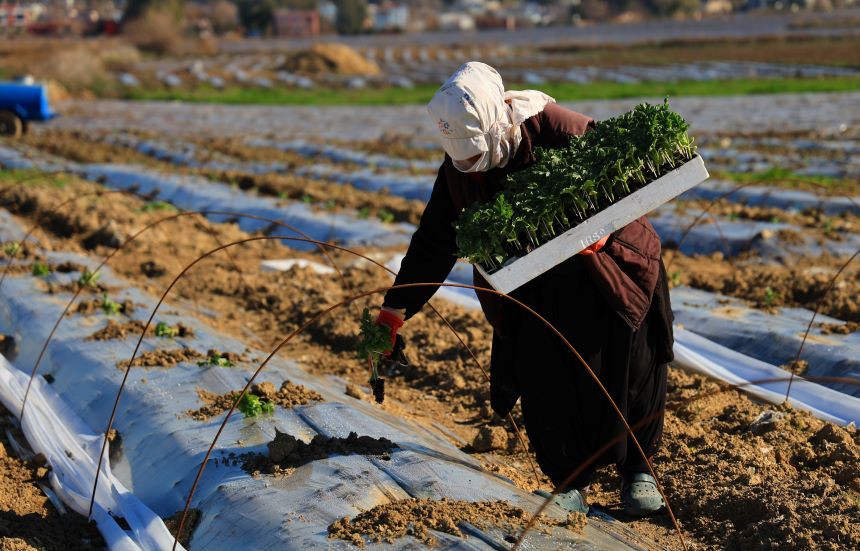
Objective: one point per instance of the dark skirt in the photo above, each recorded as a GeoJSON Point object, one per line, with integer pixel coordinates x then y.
{"type": "Point", "coordinates": [567, 416]}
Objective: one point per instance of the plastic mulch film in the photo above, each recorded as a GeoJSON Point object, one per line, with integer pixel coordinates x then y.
{"type": "Point", "coordinates": [162, 447]}
{"type": "Point", "coordinates": [72, 450]}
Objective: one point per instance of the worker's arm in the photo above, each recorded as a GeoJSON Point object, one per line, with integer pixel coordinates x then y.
{"type": "Point", "coordinates": [431, 254]}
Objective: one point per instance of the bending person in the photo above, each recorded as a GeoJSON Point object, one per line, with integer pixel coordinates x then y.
{"type": "Point", "coordinates": [611, 301]}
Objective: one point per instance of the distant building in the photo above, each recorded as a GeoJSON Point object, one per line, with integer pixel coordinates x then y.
{"type": "Point", "coordinates": [15, 15]}
{"type": "Point", "coordinates": [453, 21]}
{"type": "Point", "coordinates": [496, 21]}
{"type": "Point", "coordinates": [297, 23]}
{"type": "Point", "coordinates": [388, 16]}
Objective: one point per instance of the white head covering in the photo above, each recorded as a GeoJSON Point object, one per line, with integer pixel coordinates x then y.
{"type": "Point", "coordinates": [474, 118]}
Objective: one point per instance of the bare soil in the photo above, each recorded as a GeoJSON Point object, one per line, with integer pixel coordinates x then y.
{"type": "Point", "coordinates": [416, 517]}
{"type": "Point", "coordinates": [93, 149]}
{"type": "Point", "coordinates": [769, 286]}
{"type": "Point", "coordinates": [710, 454]}
{"type": "Point", "coordinates": [28, 521]}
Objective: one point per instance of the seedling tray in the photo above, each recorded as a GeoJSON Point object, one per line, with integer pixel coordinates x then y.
{"type": "Point", "coordinates": [523, 269]}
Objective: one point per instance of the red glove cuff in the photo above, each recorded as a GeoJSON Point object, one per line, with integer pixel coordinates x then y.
{"type": "Point", "coordinates": [389, 320]}
{"type": "Point", "coordinates": [591, 249]}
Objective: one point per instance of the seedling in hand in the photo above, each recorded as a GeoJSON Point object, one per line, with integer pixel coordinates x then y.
{"type": "Point", "coordinates": [375, 342]}
{"type": "Point", "coordinates": [40, 269]}
{"type": "Point", "coordinates": [251, 405]}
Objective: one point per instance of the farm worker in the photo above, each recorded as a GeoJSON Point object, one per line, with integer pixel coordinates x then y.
{"type": "Point", "coordinates": [611, 301]}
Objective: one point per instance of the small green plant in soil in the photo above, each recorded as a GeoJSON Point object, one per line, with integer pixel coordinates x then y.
{"type": "Point", "coordinates": [156, 206]}
{"type": "Point", "coordinates": [252, 405]}
{"type": "Point", "coordinates": [41, 269]}
{"type": "Point", "coordinates": [217, 360]}
{"type": "Point", "coordinates": [385, 216]}
{"type": "Point", "coordinates": [770, 296]}
{"type": "Point", "coordinates": [11, 248]}
{"type": "Point", "coordinates": [566, 186]}
{"type": "Point", "coordinates": [110, 307]}
{"type": "Point", "coordinates": [165, 331]}
{"type": "Point", "coordinates": [363, 213]}
{"type": "Point", "coordinates": [675, 278]}
{"type": "Point", "coordinates": [375, 341]}
{"type": "Point", "coordinates": [89, 279]}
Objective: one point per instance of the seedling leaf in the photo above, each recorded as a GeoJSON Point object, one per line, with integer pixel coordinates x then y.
{"type": "Point", "coordinates": [165, 331]}
{"type": "Point", "coordinates": [217, 360]}
{"type": "Point", "coordinates": [11, 248]}
{"type": "Point", "coordinates": [89, 278]}
{"type": "Point", "coordinates": [40, 269]}
{"type": "Point", "coordinates": [110, 307]}
{"type": "Point", "coordinates": [251, 405]}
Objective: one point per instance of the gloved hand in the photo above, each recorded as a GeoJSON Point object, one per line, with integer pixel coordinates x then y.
{"type": "Point", "coordinates": [393, 321]}
{"type": "Point", "coordinates": [593, 248]}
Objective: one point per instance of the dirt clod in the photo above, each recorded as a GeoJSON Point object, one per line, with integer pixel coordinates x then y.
{"type": "Point", "coordinates": [490, 438]}
{"type": "Point", "coordinates": [417, 517]}
{"type": "Point", "coordinates": [151, 268]}
{"type": "Point", "coordinates": [288, 452]}
{"type": "Point", "coordinates": [191, 522]}
{"type": "Point", "coordinates": [163, 358]}
{"type": "Point", "coordinates": [767, 421]}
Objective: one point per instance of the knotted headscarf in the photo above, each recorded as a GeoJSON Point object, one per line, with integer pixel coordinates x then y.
{"type": "Point", "coordinates": [476, 116]}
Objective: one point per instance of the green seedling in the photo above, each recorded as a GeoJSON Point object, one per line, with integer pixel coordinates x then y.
{"type": "Point", "coordinates": [12, 248]}
{"type": "Point", "coordinates": [89, 279]}
{"type": "Point", "coordinates": [165, 331]}
{"type": "Point", "coordinates": [307, 199]}
{"type": "Point", "coordinates": [153, 206]}
{"type": "Point", "coordinates": [331, 204]}
{"type": "Point", "coordinates": [569, 185]}
{"type": "Point", "coordinates": [675, 278]}
{"type": "Point", "coordinates": [770, 296]}
{"type": "Point", "coordinates": [827, 228]}
{"type": "Point", "coordinates": [386, 216]}
{"type": "Point", "coordinates": [251, 405]}
{"type": "Point", "coordinates": [217, 360]}
{"type": "Point", "coordinates": [363, 213]}
{"type": "Point", "coordinates": [375, 341]}
{"type": "Point", "coordinates": [110, 307]}
{"type": "Point", "coordinates": [40, 269]}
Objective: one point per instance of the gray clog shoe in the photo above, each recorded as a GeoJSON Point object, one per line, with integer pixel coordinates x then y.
{"type": "Point", "coordinates": [572, 500]}
{"type": "Point", "coordinates": [640, 495]}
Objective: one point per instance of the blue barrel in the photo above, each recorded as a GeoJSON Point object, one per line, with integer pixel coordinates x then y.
{"type": "Point", "coordinates": [29, 102]}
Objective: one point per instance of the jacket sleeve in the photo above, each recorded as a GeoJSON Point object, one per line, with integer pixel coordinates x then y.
{"type": "Point", "coordinates": [626, 270]}
{"type": "Point", "coordinates": [431, 254]}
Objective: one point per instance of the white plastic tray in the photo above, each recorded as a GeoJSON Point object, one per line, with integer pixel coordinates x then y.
{"type": "Point", "coordinates": [618, 215]}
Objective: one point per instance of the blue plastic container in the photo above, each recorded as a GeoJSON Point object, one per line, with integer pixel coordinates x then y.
{"type": "Point", "coordinates": [29, 102]}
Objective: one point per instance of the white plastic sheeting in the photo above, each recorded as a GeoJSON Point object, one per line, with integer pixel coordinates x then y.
{"type": "Point", "coordinates": [757, 378]}
{"type": "Point", "coordinates": [72, 450]}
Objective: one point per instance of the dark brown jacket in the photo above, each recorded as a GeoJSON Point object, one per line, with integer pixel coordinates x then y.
{"type": "Point", "coordinates": [626, 270]}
